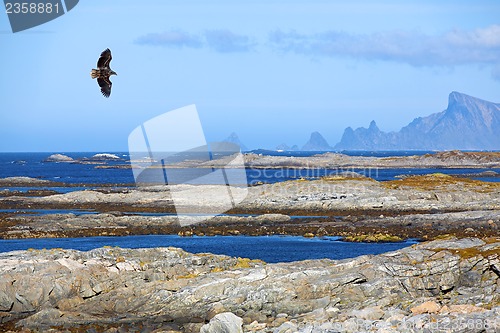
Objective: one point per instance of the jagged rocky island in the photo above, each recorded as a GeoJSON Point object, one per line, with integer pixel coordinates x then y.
{"type": "Point", "coordinates": [468, 123]}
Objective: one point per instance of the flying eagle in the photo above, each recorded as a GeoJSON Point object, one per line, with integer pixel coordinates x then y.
{"type": "Point", "coordinates": [103, 72]}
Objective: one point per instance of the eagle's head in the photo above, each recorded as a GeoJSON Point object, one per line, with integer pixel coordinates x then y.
{"type": "Point", "coordinates": [112, 73]}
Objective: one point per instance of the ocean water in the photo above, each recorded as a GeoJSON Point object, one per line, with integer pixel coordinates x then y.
{"type": "Point", "coordinates": [32, 165]}
{"type": "Point", "coordinates": [367, 153]}
{"type": "Point", "coordinates": [267, 248]}
{"type": "Point", "coordinates": [271, 249]}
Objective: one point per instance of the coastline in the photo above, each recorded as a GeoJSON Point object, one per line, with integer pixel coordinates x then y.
{"type": "Point", "coordinates": [422, 207]}
{"type": "Point", "coordinates": [451, 278]}
{"type": "Point", "coordinates": [428, 286]}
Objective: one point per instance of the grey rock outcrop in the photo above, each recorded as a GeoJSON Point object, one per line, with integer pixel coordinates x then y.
{"type": "Point", "coordinates": [59, 158]}
{"type": "Point", "coordinates": [226, 322]}
{"type": "Point", "coordinates": [445, 159]}
{"type": "Point", "coordinates": [408, 290]}
{"type": "Point", "coordinates": [23, 181]}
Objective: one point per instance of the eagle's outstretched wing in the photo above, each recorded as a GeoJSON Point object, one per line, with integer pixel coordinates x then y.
{"type": "Point", "coordinates": [104, 59]}
{"type": "Point", "coordinates": [105, 85]}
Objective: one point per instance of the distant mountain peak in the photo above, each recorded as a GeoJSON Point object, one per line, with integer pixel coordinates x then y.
{"type": "Point", "coordinates": [467, 123]}
{"type": "Point", "coordinates": [233, 138]}
{"type": "Point", "coordinates": [373, 126]}
{"type": "Point", "coordinates": [455, 96]}
{"type": "Point", "coordinates": [317, 136]}
{"type": "Point", "coordinates": [316, 142]}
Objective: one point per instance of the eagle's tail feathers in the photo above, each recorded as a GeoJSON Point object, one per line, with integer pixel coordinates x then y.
{"type": "Point", "coordinates": [94, 73]}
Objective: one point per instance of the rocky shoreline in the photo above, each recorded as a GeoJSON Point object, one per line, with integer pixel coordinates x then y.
{"type": "Point", "coordinates": [362, 209]}
{"type": "Point", "coordinates": [450, 282]}
{"type": "Point", "coordinates": [445, 159]}
{"type": "Point", "coordinates": [437, 286]}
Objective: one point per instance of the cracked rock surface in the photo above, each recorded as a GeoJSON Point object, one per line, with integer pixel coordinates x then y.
{"type": "Point", "coordinates": [433, 285]}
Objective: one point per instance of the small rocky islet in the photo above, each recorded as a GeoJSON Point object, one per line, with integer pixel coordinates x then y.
{"type": "Point", "coordinates": [450, 282]}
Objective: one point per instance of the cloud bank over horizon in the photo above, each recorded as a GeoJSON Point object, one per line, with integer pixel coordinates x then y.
{"type": "Point", "coordinates": [454, 48]}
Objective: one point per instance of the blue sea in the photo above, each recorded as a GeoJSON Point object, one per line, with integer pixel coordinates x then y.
{"type": "Point", "coordinates": [270, 249]}
{"type": "Point", "coordinates": [267, 248]}
{"type": "Point", "coordinates": [32, 165]}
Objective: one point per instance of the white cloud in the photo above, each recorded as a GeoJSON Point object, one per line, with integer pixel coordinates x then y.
{"type": "Point", "coordinates": [221, 40]}
{"type": "Point", "coordinates": [226, 41]}
{"type": "Point", "coordinates": [457, 47]}
{"type": "Point", "coordinates": [173, 38]}
{"type": "Point", "coordinates": [480, 46]}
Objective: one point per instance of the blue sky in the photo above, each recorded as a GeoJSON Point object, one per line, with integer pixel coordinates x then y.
{"type": "Point", "coordinates": [271, 71]}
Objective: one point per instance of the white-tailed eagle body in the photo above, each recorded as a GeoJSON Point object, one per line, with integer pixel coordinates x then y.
{"type": "Point", "coordinates": [103, 72]}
